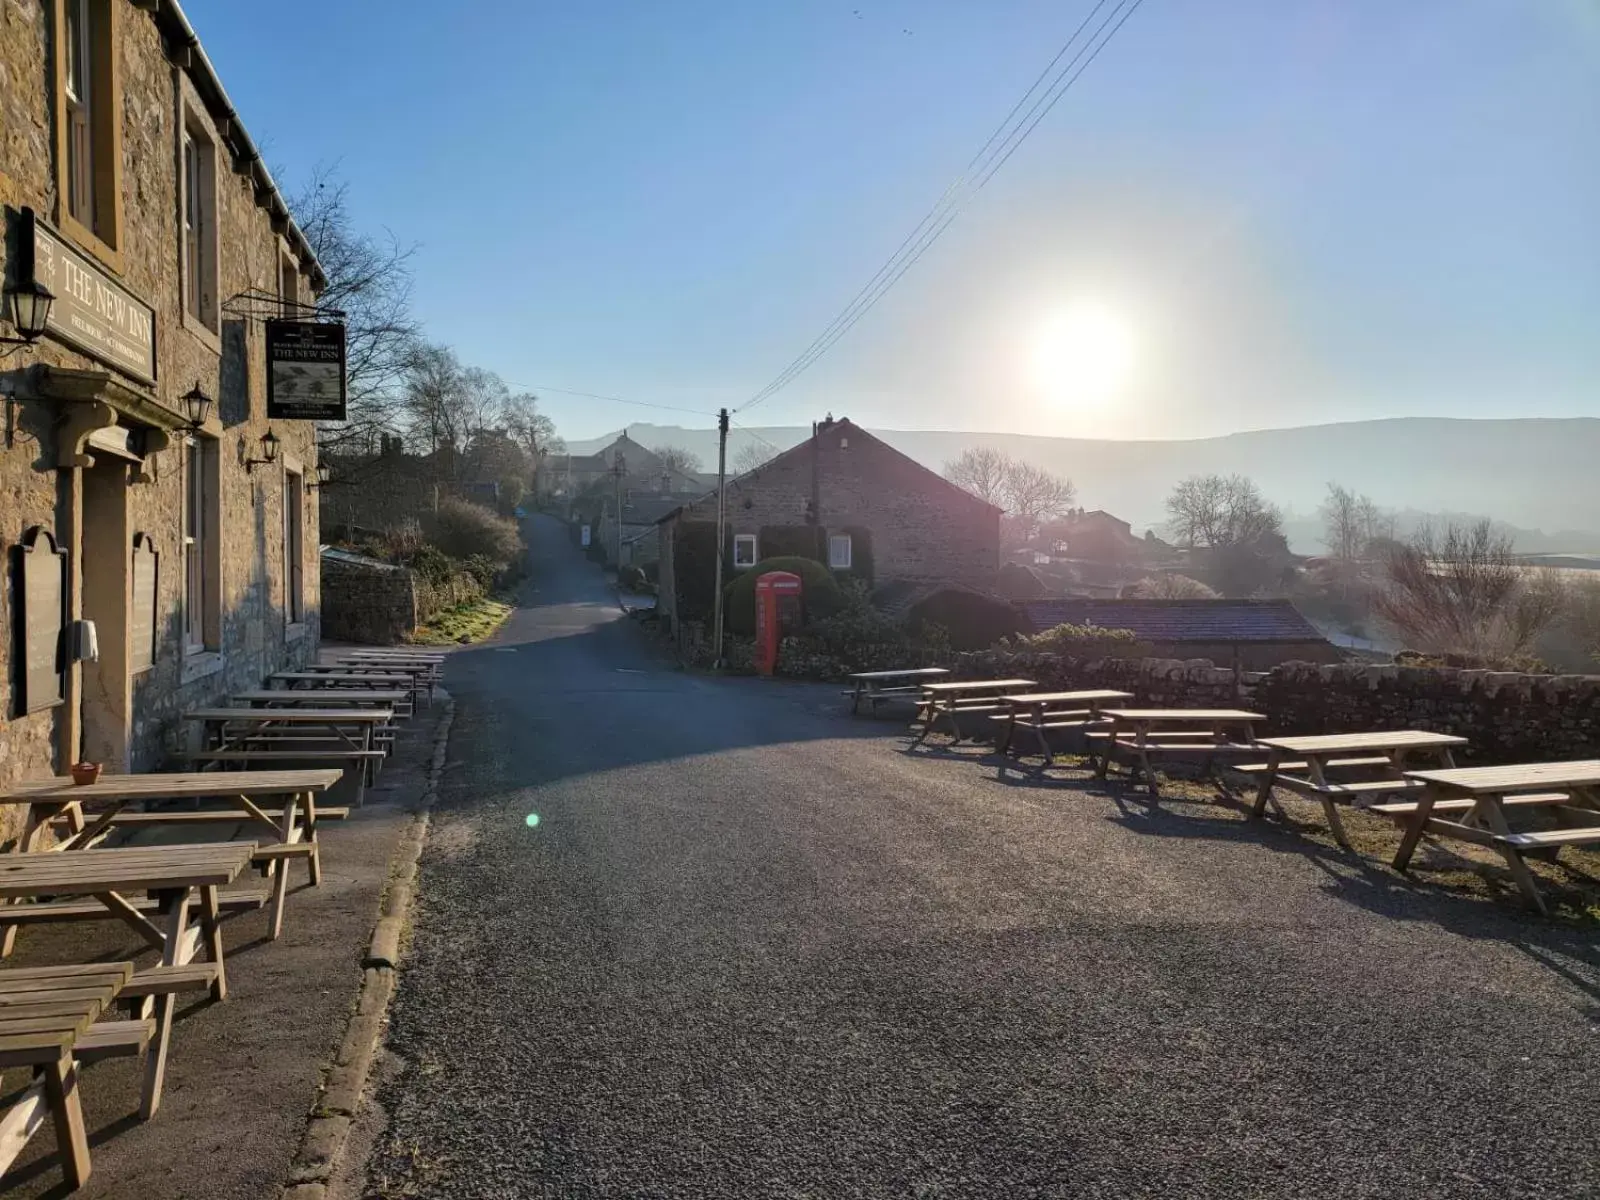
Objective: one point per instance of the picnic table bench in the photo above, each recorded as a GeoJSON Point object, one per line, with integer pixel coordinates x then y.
{"type": "Point", "coordinates": [1479, 796]}
{"type": "Point", "coordinates": [292, 827]}
{"type": "Point", "coordinates": [949, 701]}
{"type": "Point", "coordinates": [174, 876]}
{"type": "Point", "coordinates": [247, 735]}
{"type": "Point", "coordinates": [1313, 758]}
{"type": "Point", "coordinates": [1040, 712]}
{"type": "Point", "coordinates": [394, 698]}
{"type": "Point", "coordinates": [45, 1014]}
{"type": "Point", "coordinates": [1137, 733]}
{"type": "Point", "coordinates": [883, 687]}
{"type": "Point", "coordinates": [425, 670]}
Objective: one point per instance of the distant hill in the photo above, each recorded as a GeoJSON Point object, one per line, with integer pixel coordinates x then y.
{"type": "Point", "coordinates": [1536, 475]}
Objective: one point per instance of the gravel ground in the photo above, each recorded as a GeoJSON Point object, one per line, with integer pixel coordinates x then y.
{"type": "Point", "coordinates": [753, 948]}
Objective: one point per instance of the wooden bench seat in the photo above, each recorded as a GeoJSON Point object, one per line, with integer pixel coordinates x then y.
{"type": "Point", "coordinates": [1165, 735]}
{"type": "Point", "coordinates": [166, 981]}
{"type": "Point", "coordinates": [114, 1039]}
{"type": "Point", "coordinates": [1261, 768]}
{"type": "Point", "coordinates": [1404, 808]}
{"type": "Point", "coordinates": [92, 910]}
{"type": "Point", "coordinates": [211, 816]}
{"type": "Point", "coordinates": [307, 752]}
{"type": "Point", "coordinates": [1187, 747]}
{"type": "Point", "coordinates": [1548, 839]}
{"type": "Point", "coordinates": [1371, 787]}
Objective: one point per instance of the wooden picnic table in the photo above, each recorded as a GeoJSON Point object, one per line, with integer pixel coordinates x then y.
{"type": "Point", "coordinates": [1145, 731]}
{"type": "Point", "coordinates": [948, 699]}
{"type": "Point", "coordinates": [296, 697]}
{"type": "Point", "coordinates": [1479, 796]}
{"type": "Point", "coordinates": [1309, 760]}
{"type": "Point", "coordinates": [236, 735]}
{"type": "Point", "coordinates": [335, 677]}
{"type": "Point", "coordinates": [423, 669]}
{"type": "Point", "coordinates": [294, 825]}
{"type": "Point", "coordinates": [44, 1011]}
{"type": "Point", "coordinates": [880, 687]}
{"type": "Point", "coordinates": [174, 876]}
{"type": "Point", "coordinates": [1053, 710]}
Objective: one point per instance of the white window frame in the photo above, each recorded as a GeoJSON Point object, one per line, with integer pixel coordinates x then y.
{"type": "Point", "coordinates": [294, 541]}
{"type": "Point", "coordinates": [834, 541]}
{"type": "Point", "coordinates": [202, 590]}
{"type": "Point", "coordinates": [198, 248]}
{"type": "Point", "coordinates": [741, 540]}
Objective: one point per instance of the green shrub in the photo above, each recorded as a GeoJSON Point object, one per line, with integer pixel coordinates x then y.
{"type": "Point", "coordinates": [630, 578]}
{"type": "Point", "coordinates": [1084, 641]}
{"type": "Point", "coordinates": [820, 594]}
{"type": "Point", "coordinates": [463, 529]}
{"type": "Point", "coordinates": [971, 621]}
{"type": "Point", "coordinates": [484, 569]}
{"type": "Point", "coordinates": [652, 570]}
{"type": "Point", "coordinates": [432, 564]}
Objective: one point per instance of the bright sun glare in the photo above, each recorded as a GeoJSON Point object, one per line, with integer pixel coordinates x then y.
{"type": "Point", "coordinates": [1082, 355]}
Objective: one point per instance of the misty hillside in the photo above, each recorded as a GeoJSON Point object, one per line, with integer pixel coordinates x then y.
{"type": "Point", "coordinates": [1536, 474]}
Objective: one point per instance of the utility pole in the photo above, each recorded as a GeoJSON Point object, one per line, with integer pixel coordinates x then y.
{"type": "Point", "coordinates": [722, 508]}
{"type": "Point", "coordinates": [619, 469]}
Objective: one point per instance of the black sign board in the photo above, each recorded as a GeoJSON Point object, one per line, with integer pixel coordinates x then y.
{"type": "Point", "coordinates": [305, 371]}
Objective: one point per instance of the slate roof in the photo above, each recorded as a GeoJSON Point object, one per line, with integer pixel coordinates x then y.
{"type": "Point", "coordinates": [1259, 621]}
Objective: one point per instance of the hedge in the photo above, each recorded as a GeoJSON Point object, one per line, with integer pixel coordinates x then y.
{"type": "Point", "coordinates": [821, 596]}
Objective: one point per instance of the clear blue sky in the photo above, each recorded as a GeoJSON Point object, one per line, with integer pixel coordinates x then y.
{"type": "Point", "coordinates": [1299, 211]}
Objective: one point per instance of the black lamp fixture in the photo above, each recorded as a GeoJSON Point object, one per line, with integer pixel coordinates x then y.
{"type": "Point", "coordinates": [269, 452]}
{"type": "Point", "coordinates": [324, 476]}
{"type": "Point", "coordinates": [30, 312]}
{"type": "Point", "coordinates": [198, 405]}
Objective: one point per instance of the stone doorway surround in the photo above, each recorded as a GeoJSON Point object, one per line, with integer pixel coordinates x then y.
{"type": "Point", "coordinates": [115, 429]}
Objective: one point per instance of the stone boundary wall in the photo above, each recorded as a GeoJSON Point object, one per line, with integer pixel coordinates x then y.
{"type": "Point", "coordinates": [370, 603]}
{"type": "Point", "coordinates": [1506, 717]}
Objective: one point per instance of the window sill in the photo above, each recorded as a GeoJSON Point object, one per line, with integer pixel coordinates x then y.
{"type": "Point", "coordinates": [209, 338]}
{"type": "Point", "coordinates": [201, 664]}
{"type": "Point", "coordinates": [85, 239]}
{"type": "Point", "coordinates": [293, 633]}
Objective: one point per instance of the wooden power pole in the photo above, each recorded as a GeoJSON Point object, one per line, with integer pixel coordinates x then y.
{"type": "Point", "coordinates": [722, 508]}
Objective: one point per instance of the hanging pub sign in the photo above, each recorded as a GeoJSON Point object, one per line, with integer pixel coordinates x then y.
{"type": "Point", "coordinates": [305, 371]}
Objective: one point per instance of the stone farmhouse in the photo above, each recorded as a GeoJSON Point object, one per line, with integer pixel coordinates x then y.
{"type": "Point", "coordinates": [142, 487]}
{"type": "Point", "coordinates": [842, 497]}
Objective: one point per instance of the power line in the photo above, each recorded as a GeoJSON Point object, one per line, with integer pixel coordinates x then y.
{"type": "Point", "coordinates": [534, 387]}
{"type": "Point", "coordinates": [996, 152]}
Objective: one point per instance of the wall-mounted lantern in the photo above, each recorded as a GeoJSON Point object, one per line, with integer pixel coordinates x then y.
{"type": "Point", "coordinates": [30, 312]}
{"type": "Point", "coordinates": [197, 405]}
{"type": "Point", "coordinates": [269, 452]}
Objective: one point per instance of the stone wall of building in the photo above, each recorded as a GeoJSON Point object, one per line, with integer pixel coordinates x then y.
{"type": "Point", "coordinates": [256, 634]}
{"type": "Point", "coordinates": [369, 602]}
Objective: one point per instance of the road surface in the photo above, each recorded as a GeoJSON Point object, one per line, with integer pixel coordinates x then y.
{"type": "Point", "coordinates": [752, 948]}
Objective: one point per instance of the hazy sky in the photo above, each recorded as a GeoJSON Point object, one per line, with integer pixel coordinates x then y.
{"type": "Point", "coordinates": [1288, 211]}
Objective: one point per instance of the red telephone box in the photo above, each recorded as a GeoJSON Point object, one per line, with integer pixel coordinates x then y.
{"type": "Point", "coordinates": [777, 613]}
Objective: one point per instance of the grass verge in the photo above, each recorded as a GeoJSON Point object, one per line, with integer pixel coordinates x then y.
{"type": "Point", "coordinates": [462, 625]}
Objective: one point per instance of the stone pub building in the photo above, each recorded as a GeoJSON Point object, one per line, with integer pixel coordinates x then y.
{"type": "Point", "coordinates": [142, 487]}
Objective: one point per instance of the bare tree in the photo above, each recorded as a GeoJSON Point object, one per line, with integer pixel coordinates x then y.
{"type": "Point", "coordinates": [983, 472]}
{"type": "Point", "coordinates": [1463, 592]}
{"type": "Point", "coordinates": [678, 459]}
{"type": "Point", "coordinates": [1169, 587]}
{"type": "Point", "coordinates": [1220, 512]}
{"type": "Point", "coordinates": [748, 457]}
{"type": "Point", "coordinates": [1033, 495]}
{"type": "Point", "coordinates": [369, 279]}
{"type": "Point", "coordinates": [1352, 523]}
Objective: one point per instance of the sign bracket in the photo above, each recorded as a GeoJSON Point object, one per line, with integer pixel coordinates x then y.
{"type": "Point", "coordinates": [253, 304]}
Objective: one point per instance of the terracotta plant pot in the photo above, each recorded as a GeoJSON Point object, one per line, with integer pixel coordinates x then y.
{"type": "Point", "coordinates": [85, 773]}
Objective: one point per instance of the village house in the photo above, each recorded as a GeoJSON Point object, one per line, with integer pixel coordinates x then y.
{"type": "Point", "coordinates": [1248, 635]}
{"type": "Point", "coordinates": [143, 488]}
{"type": "Point", "coordinates": [641, 471]}
{"type": "Point", "coordinates": [845, 498]}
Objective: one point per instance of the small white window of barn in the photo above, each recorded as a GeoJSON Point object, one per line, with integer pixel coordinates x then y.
{"type": "Point", "coordinates": [199, 227]}
{"type": "Point", "coordinates": [839, 551]}
{"type": "Point", "coordinates": [744, 550]}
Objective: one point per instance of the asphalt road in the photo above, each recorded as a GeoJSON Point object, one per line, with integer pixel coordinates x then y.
{"type": "Point", "coordinates": [753, 948]}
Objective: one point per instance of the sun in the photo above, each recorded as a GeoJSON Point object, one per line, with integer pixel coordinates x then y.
{"type": "Point", "coordinates": [1082, 355]}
